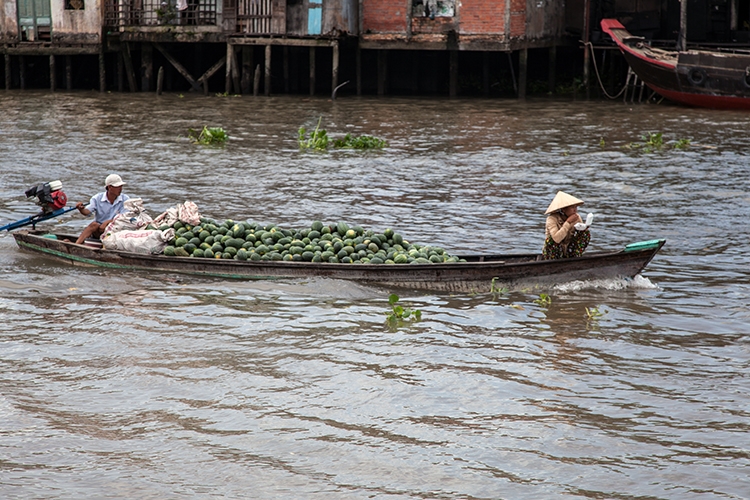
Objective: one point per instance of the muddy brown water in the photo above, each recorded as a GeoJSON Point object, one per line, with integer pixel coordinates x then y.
{"type": "Point", "coordinates": [132, 385]}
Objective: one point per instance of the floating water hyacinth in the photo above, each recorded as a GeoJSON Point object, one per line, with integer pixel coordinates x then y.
{"type": "Point", "coordinates": [319, 140]}
{"type": "Point", "coordinates": [209, 135]}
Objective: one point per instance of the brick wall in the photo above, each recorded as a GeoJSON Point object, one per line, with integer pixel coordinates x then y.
{"type": "Point", "coordinates": [384, 16]}
{"type": "Point", "coordinates": [482, 16]}
{"type": "Point", "coordinates": [517, 18]}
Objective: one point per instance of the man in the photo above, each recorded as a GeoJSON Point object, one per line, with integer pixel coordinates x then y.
{"type": "Point", "coordinates": [105, 205]}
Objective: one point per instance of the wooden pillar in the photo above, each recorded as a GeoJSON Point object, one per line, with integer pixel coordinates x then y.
{"type": "Point", "coordinates": [22, 71]}
{"type": "Point", "coordinates": [359, 70]}
{"type": "Point", "coordinates": [552, 68]}
{"type": "Point", "coordinates": [256, 81]}
{"type": "Point", "coordinates": [335, 70]}
{"type": "Point", "coordinates": [160, 80]}
{"type": "Point", "coordinates": [453, 73]}
{"type": "Point", "coordinates": [267, 83]}
{"type": "Point", "coordinates": [523, 66]}
{"type": "Point", "coordinates": [102, 71]}
{"type": "Point", "coordinates": [312, 70]}
{"type": "Point", "coordinates": [52, 73]}
{"type": "Point", "coordinates": [8, 79]}
{"type": "Point", "coordinates": [382, 71]}
{"type": "Point", "coordinates": [682, 34]}
{"type": "Point", "coordinates": [286, 69]}
{"type": "Point", "coordinates": [586, 53]}
{"type": "Point", "coordinates": [129, 66]}
{"type": "Point", "coordinates": [235, 73]}
{"type": "Point", "coordinates": [228, 73]}
{"type": "Point", "coordinates": [247, 69]}
{"type": "Point", "coordinates": [147, 66]}
{"type": "Point", "coordinates": [68, 73]}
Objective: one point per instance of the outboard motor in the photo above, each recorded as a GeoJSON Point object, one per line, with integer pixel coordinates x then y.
{"type": "Point", "coordinates": [49, 196]}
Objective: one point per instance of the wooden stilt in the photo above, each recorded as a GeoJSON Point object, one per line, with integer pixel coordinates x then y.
{"type": "Point", "coordinates": [523, 66]}
{"type": "Point", "coordinates": [267, 83]}
{"type": "Point", "coordinates": [228, 72]}
{"type": "Point", "coordinates": [69, 73]}
{"type": "Point", "coordinates": [312, 70]}
{"type": "Point", "coordinates": [586, 49]}
{"type": "Point", "coordinates": [235, 73]}
{"type": "Point", "coordinates": [512, 72]}
{"type": "Point", "coordinates": [147, 67]}
{"type": "Point", "coordinates": [247, 69]}
{"type": "Point", "coordinates": [256, 81]}
{"type": "Point", "coordinates": [129, 66]}
{"type": "Point", "coordinates": [52, 73]}
{"type": "Point", "coordinates": [203, 80]}
{"type": "Point", "coordinates": [102, 71]}
{"type": "Point", "coordinates": [195, 84]}
{"type": "Point", "coordinates": [335, 70]}
{"type": "Point", "coordinates": [160, 80]}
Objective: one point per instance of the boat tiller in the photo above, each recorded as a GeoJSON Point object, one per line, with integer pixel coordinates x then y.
{"type": "Point", "coordinates": [50, 197]}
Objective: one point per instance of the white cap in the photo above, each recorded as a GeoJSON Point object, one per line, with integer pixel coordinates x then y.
{"type": "Point", "coordinates": [114, 180]}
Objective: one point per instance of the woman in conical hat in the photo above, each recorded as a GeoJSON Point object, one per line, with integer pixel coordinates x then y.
{"type": "Point", "coordinates": [562, 239]}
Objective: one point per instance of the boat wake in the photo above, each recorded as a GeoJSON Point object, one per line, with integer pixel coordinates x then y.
{"type": "Point", "coordinates": [637, 283]}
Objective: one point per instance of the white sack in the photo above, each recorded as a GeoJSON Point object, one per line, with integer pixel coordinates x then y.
{"type": "Point", "coordinates": [142, 241]}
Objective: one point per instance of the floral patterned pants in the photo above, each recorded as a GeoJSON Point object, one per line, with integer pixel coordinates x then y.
{"type": "Point", "coordinates": [575, 248]}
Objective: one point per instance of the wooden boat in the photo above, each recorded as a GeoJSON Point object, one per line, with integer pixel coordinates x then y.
{"type": "Point", "coordinates": [703, 78]}
{"type": "Point", "coordinates": [477, 275]}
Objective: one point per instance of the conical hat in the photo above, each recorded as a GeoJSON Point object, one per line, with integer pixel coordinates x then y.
{"type": "Point", "coordinates": [561, 201]}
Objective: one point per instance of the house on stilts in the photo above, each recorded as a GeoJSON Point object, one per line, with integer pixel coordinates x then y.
{"type": "Point", "coordinates": [381, 47]}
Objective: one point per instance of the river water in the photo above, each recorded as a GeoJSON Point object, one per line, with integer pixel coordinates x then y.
{"type": "Point", "coordinates": [135, 385]}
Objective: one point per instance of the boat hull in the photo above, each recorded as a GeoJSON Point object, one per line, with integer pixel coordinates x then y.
{"type": "Point", "coordinates": [698, 78]}
{"type": "Point", "coordinates": [478, 275]}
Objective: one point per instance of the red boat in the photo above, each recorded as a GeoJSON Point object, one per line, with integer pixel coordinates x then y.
{"type": "Point", "coordinates": [702, 78]}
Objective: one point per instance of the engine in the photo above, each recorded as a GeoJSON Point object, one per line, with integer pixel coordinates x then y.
{"type": "Point", "coordinates": [49, 196]}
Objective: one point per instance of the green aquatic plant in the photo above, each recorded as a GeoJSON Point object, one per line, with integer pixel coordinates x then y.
{"type": "Point", "coordinates": [494, 289]}
{"type": "Point", "coordinates": [544, 300]}
{"type": "Point", "coordinates": [593, 313]}
{"type": "Point", "coordinates": [361, 142]}
{"type": "Point", "coordinates": [208, 136]}
{"type": "Point", "coordinates": [399, 315]}
{"type": "Point", "coordinates": [592, 317]}
{"type": "Point", "coordinates": [319, 140]}
{"type": "Point", "coordinates": [682, 144]}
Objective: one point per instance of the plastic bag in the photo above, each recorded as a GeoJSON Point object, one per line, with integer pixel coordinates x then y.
{"type": "Point", "coordinates": [580, 226]}
{"type": "Point", "coordinates": [140, 241]}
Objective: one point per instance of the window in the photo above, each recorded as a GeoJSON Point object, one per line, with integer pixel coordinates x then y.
{"type": "Point", "coordinates": [74, 4]}
{"type": "Point", "coordinates": [433, 8]}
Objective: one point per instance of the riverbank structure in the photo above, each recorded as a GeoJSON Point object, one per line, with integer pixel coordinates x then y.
{"type": "Point", "coordinates": [443, 47]}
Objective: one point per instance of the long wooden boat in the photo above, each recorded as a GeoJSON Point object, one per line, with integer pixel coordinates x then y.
{"type": "Point", "coordinates": [702, 78]}
{"type": "Point", "coordinates": [477, 275]}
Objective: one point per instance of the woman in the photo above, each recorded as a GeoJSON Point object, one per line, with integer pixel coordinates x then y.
{"type": "Point", "coordinates": [562, 239]}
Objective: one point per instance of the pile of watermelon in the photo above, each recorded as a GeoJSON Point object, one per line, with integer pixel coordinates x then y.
{"type": "Point", "coordinates": [337, 243]}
